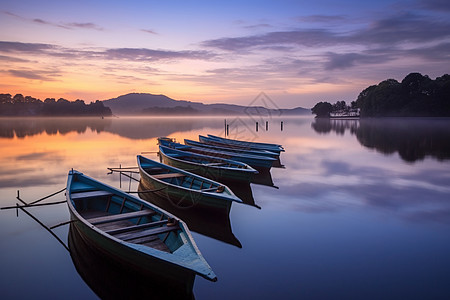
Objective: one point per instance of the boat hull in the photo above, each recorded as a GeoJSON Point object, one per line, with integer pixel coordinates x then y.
{"type": "Point", "coordinates": [249, 145]}
{"type": "Point", "coordinates": [135, 259]}
{"type": "Point", "coordinates": [112, 278]}
{"type": "Point", "coordinates": [217, 174]}
{"type": "Point", "coordinates": [211, 143]}
{"type": "Point", "coordinates": [183, 198]}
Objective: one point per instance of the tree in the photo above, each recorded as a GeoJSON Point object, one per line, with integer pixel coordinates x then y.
{"type": "Point", "coordinates": [322, 109]}
{"type": "Point", "coordinates": [416, 95]}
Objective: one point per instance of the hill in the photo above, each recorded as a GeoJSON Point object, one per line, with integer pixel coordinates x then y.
{"type": "Point", "coordinates": [149, 104]}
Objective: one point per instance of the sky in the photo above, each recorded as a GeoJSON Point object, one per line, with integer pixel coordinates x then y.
{"type": "Point", "coordinates": [296, 52]}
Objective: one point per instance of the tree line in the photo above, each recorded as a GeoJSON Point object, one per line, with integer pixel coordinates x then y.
{"type": "Point", "coordinates": [29, 106]}
{"type": "Point", "coordinates": [416, 95]}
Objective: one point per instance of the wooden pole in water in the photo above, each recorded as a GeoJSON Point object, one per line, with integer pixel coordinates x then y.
{"type": "Point", "coordinates": [267, 125]}
{"type": "Point", "coordinates": [228, 127]}
{"type": "Point", "coordinates": [281, 125]}
{"type": "Point", "coordinates": [256, 126]}
{"type": "Point", "coordinates": [225, 127]}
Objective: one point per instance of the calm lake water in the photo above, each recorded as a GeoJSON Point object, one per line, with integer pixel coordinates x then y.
{"type": "Point", "coordinates": [361, 210]}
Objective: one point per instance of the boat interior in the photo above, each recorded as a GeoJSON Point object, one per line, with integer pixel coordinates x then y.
{"type": "Point", "coordinates": [126, 219]}
{"type": "Point", "coordinates": [183, 180]}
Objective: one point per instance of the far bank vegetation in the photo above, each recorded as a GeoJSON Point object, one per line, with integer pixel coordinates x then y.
{"type": "Point", "coordinates": [416, 95]}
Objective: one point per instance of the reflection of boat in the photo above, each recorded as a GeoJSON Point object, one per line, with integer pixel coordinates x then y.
{"type": "Point", "coordinates": [244, 191]}
{"type": "Point", "coordinates": [110, 278]}
{"type": "Point", "coordinates": [184, 188]}
{"type": "Point", "coordinates": [208, 166]}
{"type": "Point", "coordinates": [264, 178]}
{"type": "Point", "coordinates": [252, 160]}
{"type": "Point", "coordinates": [250, 145]}
{"type": "Point", "coordinates": [207, 142]}
{"type": "Point", "coordinates": [214, 223]}
{"type": "Point", "coordinates": [133, 230]}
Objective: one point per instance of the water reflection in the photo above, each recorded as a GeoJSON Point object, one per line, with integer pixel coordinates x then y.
{"type": "Point", "coordinates": [111, 279]}
{"type": "Point", "coordinates": [129, 127]}
{"type": "Point", "coordinates": [413, 139]}
{"type": "Point", "coordinates": [264, 177]}
{"type": "Point", "coordinates": [23, 127]}
{"type": "Point", "coordinates": [214, 223]}
{"type": "Point", "coordinates": [244, 191]}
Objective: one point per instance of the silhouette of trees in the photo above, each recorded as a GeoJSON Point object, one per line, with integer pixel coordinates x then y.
{"type": "Point", "coordinates": [340, 108]}
{"type": "Point", "coordinates": [322, 109]}
{"type": "Point", "coordinates": [416, 95]}
{"type": "Point", "coordinates": [29, 106]}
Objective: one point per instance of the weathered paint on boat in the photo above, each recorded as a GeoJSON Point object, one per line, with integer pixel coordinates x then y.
{"type": "Point", "coordinates": [92, 203]}
{"type": "Point", "coordinates": [207, 166]}
{"type": "Point", "coordinates": [183, 188]}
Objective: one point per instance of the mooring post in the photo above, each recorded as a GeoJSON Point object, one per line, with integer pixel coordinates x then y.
{"type": "Point", "coordinates": [120, 176]}
{"type": "Point", "coordinates": [281, 125]}
{"type": "Point", "coordinates": [267, 125]}
{"type": "Point", "coordinates": [256, 126]}
{"type": "Point", "coordinates": [225, 127]}
{"type": "Point", "coordinates": [228, 129]}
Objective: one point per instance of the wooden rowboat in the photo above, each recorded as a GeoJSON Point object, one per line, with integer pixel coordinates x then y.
{"type": "Point", "coordinates": [207, 166]}
{"type": "Point", "coordinates": [184, 189]}
{"type": "Point", "coordinates": [210, 144]}
{"type": "Point", "coordinates": [134, 231]}
{"type": "Point", "coordinates": [247, 145]}
{"type": "Point", "coordinates": [254, 161]}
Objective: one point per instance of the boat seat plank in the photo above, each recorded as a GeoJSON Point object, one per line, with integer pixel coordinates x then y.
{"type": "Point", "coordinates": [122, 216]}
{"type": "Point", "coordinates": [145, 233]}
{"type": "Point", "coordinates": [136, 227]}
{"type": "Point", "coordinates": [89, 194]}
{"type": "Point", "coordinates": [169, 175]}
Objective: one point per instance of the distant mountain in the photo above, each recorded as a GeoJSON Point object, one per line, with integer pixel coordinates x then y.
{"type": "Point", "coordinates": [149, 104]}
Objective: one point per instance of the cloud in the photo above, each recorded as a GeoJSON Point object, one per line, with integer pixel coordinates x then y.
{"type": "Point", "coordinates": [34, 74]}
{"type": "Point", "coordinates": [258, 26]}
{"type": "Point", "coordinates": [129, 54]}
{"type": "Point", "coordinates": [12, 59]}
{"type": "Point", "coordinates": [393, 30]}
{"type": "Point", "coordinates": [322, 19]}
{"type": "Point", "coordinates": [309, 38]}
{"type": "Point", "coordinates": [83, 26]}
{"type": "Point", "coordinates": [149, 31]}
{"type": "Point", "coordinates": [437, 52]}
{"type": "Point", "coordinates": [401, 28]}
{"type": "Point", "coordinates": [347, 60]}
{"type": "Point", "coordinates": [438, 5]}
{"type": "Point", "coordinates": [143, 54]}
{"type": "Point", "coordinates": [70, 25]}
{"type": "Point", "coordinates": [24, 47]}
